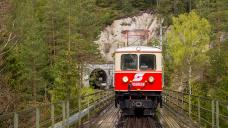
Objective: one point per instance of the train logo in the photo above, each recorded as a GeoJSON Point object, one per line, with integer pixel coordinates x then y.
{"type": "Point", "coordinates": [138, 77]}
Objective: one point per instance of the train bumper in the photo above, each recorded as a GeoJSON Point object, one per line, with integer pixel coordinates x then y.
{"type": "Point", "coordinates": [136, 104]}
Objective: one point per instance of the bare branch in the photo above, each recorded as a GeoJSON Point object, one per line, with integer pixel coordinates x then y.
{"type": "Point", "coordinates": [9, 49]}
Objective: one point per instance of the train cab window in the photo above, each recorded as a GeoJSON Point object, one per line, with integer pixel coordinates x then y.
{"type": "Point", "coordinates": [129, 62]}
{"type": "Point", "coordinates": [147, 62]}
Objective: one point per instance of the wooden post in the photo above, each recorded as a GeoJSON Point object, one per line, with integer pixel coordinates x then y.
{"type": "Point", "coordinates": [101, 93]}
{"type": "Point", "coordinates": [127, 40]}
{"type": "Point", "coordinates": [37, 117]}
{"type": "Point", "coordinates": [174, 100]}
{"type": "Point", "coordinates": [63, 113]}
{"type": "Point", "coordinates": [15, 122]}
{"type": "Point", "coordinates": [189, 105]}
{"type": "Point", "coordinates": [212, 113]}
{"type": "Point", "coordinates": [199, 114]}
{"type": "Point", "coordinates": [79, 110]}
{"type": "Point", "coordinates": [179, 101]}
{"type": "Point", "coordinates": [89, 109]}
{"type": "Point", "coordinates": [52, 115]}
{"type": "Point", "coordinates": [169, 97]}
{"type": "Point", "coordinates": [67, 111]}
{"type": "Point", "coordinates": [217, 114]}
{"type": "Point", "coordinates": [182, 100]}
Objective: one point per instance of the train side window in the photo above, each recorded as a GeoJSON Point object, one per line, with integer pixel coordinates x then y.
{"type": "Point", "coordinates": [147, 62]}
{"type": "Point", "coordinates": [129, 62]}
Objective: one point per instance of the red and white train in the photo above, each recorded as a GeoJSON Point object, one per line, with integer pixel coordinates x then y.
{"type": "Point", "coordinates": [138, 79]}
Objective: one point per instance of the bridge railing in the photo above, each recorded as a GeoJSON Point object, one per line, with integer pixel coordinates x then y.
{"type": "Point", "coordinates": [207, 112]}
{"type": "Point", "coordinates": [60, 114]}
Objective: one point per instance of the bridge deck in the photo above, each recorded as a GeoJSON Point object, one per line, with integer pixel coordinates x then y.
{"type": "Point", "coordinates": [106, 119]}
{"type": "Point", "coordinates": [111, 118]}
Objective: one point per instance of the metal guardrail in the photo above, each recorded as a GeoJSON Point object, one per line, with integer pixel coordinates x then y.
{"type": "Point", "coordinates": [207, 112]}
{"type": "Point", "coordinates": [60, 114]}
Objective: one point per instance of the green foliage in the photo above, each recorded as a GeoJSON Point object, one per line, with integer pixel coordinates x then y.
{"type": "Point", "coordinates": [65, 79]}
{"type": "Point", "coordinates": [209, 62]}
{"type": "Point", "coordinates": [154, 43]}
{"type": "Point", "coordinates": [26, 64]}
{"type": "Point", "coordinates": [54, 38]}
{"type": "Point", "coordinates": [215, 74]}
{"type": "Point", "coordinates": [87, 90]}
{"type": "Point", "coordinates": [188, 40]}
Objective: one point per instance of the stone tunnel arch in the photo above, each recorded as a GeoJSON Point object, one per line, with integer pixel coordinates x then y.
{"type": "Point", "coordinates": [98, 78]}
{"type": "Point", "coordinates": [90, 69]}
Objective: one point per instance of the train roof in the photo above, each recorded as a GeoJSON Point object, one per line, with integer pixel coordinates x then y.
{"type": "Point", "coordinates": [138, 49]}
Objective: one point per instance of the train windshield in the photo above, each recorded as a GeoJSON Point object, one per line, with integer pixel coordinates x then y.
{"type": "Point", "coordinates": [147, 62]}
{"type": "Point", "coordinates": [129, 62]}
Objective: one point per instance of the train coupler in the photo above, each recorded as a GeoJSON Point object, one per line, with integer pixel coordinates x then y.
{"type": "Point", "coordinates": [160, 102]}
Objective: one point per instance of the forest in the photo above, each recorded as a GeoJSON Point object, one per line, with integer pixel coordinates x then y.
{"type": "Point", "coordinates": [45, 43]}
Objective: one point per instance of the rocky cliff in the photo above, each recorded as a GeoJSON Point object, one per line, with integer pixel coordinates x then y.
{"type": "Point", "coordinates": [112, 36]}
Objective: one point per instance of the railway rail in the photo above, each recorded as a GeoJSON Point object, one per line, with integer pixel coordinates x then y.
{"type": "Point", "coordinates": [139, 122]}
{"type": "Point", "coordinates": [112, 117]}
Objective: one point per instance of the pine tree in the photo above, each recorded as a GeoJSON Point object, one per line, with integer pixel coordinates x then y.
{"type": "Point", "coordinates": [216, 12]}
{"type": "Point", "coordinates": [30, 55]}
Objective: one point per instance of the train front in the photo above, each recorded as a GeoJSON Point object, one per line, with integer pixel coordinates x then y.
{"type": "Point", "coordinates": [138, 79]}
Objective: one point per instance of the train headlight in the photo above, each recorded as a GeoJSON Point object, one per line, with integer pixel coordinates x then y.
{"type": "Point", "coordinates": [151, 79]}
{"type": "Point", "coordinates": [125, 79]}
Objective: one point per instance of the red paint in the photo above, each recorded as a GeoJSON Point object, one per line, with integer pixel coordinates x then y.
{"type": "Point", "coordinates": [139, 52]}
{"type": "Point", "coordinates": [133, 71]}
{"type": "Point", "coordinates": [155, 86]}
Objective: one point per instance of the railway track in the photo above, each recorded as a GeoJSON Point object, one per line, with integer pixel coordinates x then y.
{"type": "Point", "coordinates": [111, 117]}
{"type": "Point", "coordinates": [138, 122]}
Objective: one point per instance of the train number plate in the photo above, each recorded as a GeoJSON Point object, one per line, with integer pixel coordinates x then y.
{"type": "Point", "coordinates": [138, 84]}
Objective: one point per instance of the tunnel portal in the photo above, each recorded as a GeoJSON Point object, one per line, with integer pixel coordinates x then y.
{"type": "Point", "coordinates": [98, 79]}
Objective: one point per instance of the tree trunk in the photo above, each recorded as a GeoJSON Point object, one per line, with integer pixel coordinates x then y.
{"type": "Point", "coordinates": [81, 75]}
{"type": "Point", "coordinates": [190, 89]}
{"type": "Point", "coordinates": [33, 81]}
{"type": "Point", "coordinates": [53, 39]}
{"type": "Point", "coordinates": [189, 78]}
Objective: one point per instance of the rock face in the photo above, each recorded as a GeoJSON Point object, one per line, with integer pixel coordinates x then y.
{"type": "Point", "coordinates": [112, 36]}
